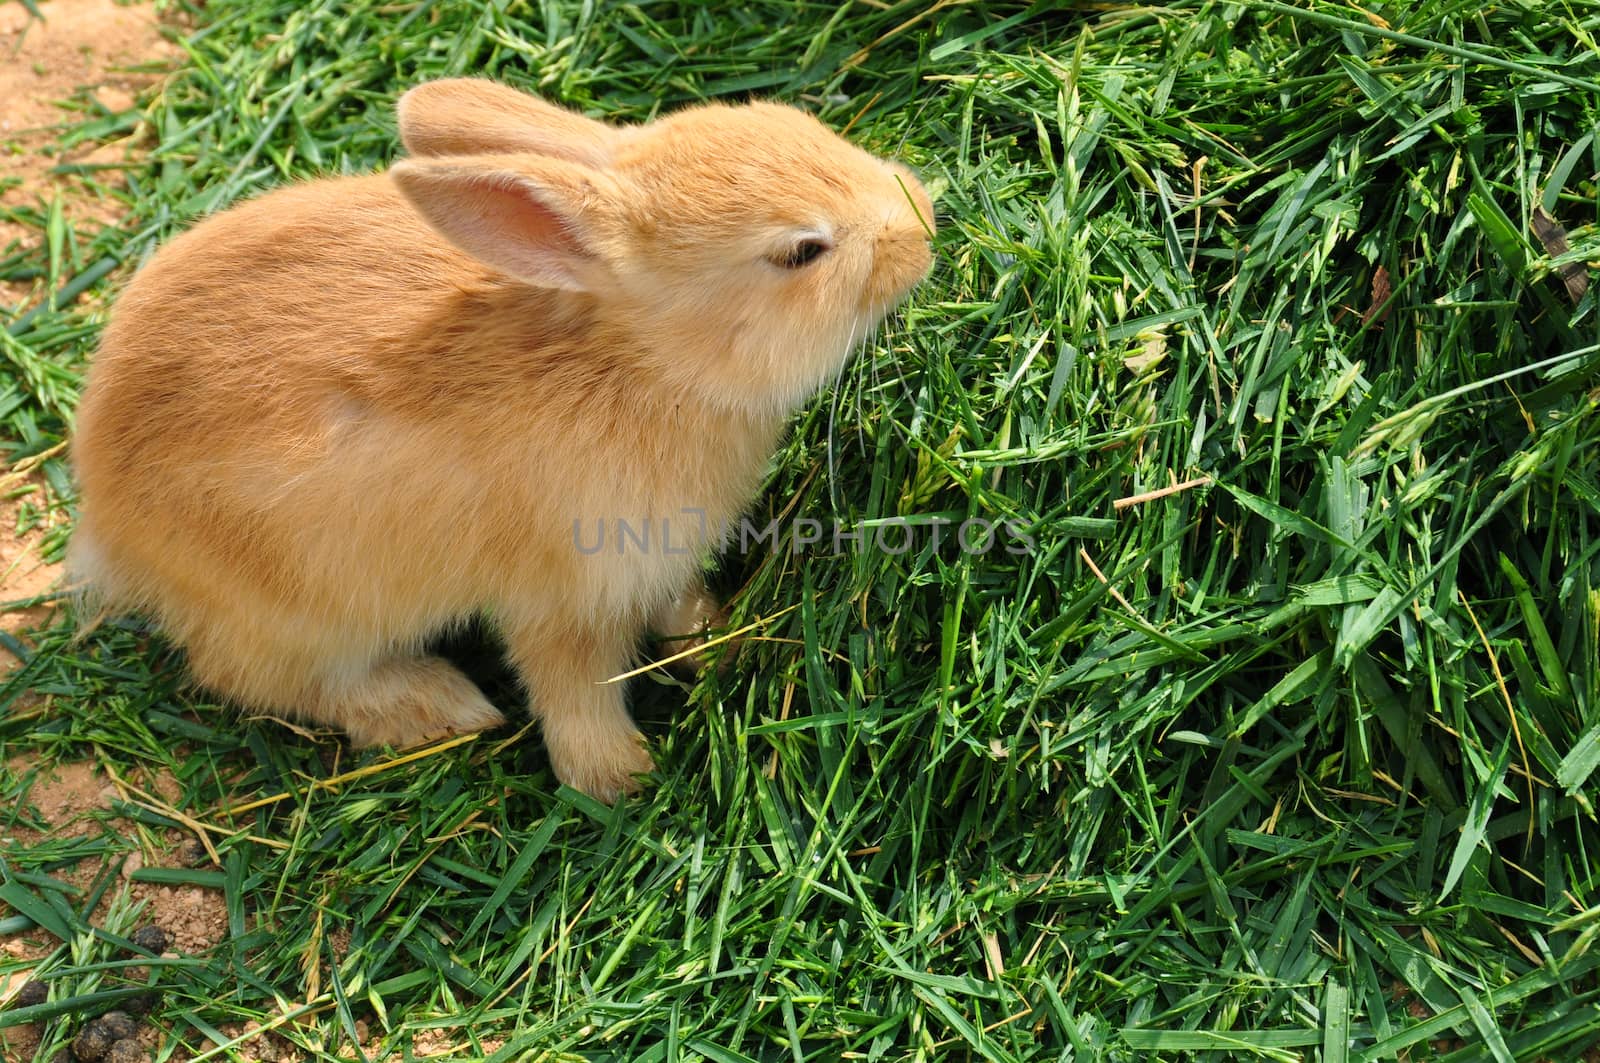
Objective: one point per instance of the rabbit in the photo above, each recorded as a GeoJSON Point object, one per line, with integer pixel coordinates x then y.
{"type": "Point", "coordinates": [328, 423]}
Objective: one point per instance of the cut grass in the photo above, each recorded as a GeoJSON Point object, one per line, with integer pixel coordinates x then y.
{"type": "Point", "coordinates": [1297, 762]}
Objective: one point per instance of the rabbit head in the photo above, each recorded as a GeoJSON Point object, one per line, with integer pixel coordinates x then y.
{"type": "Point", "coordinates": [743, 249]}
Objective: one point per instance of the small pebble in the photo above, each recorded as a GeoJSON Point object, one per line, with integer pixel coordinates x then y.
{"type": "Point", "coordinates": [92, 1042]}
{"type": "Point", "coordinates": [126, 1050]}
{"type": "Point", "coordinates": [119, 1024]}
{"type": "Point", "coordinates": [151, 938]}
{"type": "Point", "coordinates": [143, 1004]}
{"type": "Point", "coordinates": [32, 992]}
{"type": "Point", "coordinates": [194, 853]}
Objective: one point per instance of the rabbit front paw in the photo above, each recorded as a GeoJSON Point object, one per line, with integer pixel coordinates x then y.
{"type": "Point", "coordinates": [603, 762]}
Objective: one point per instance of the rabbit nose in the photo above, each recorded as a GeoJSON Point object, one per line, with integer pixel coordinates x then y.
{"type": "Point", "coordinates": [902, 258]}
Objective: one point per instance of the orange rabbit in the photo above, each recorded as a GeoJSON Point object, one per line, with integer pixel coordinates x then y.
{"type": "Point", "coordinates": [330, 422]}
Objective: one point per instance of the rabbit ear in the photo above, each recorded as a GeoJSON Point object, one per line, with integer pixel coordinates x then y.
{"type": "Point", "coordinates": [538, 220]}
{"type": "Point", "coordinates": [473, 116]}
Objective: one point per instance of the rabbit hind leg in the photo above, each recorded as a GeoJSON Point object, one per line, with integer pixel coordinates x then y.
{"type": "Point", "coordinates": [393, 699]}
{"type": "Point", "coordinates": [681, 625]}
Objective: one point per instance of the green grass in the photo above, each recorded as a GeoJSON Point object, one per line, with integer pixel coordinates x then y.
{"type": "Point", "coordinates": [1308, 774]}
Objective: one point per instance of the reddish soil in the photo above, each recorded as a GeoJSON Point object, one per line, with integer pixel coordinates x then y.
{"type": "Point", "coordinates": [84, 49]}
{"type": "Point", "coordinates": [81, 49]}
{"type": "Point", "coordinates": [71, 800]}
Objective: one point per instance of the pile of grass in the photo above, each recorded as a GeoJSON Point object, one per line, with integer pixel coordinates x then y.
{"type": "Point", "coordinates": [1295, 761]}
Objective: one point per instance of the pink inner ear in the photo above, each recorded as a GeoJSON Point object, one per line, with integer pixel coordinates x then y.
{"type": "Point", "coordinates": [523, 217]}
{"type": "Point", "coordinates": [507, 220]}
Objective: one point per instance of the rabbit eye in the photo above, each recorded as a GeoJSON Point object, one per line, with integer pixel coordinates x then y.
{"type": "Point", "coordinates": [801, 254]}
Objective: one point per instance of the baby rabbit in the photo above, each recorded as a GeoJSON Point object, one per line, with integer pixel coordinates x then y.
{"type": "Point", "coordinates": [330, 422]}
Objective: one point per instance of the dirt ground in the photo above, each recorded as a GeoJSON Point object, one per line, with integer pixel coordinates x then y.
{"type": "Point", "coordinates": [70, 801]}
{"type": "Point", "coordinates": [24, 574]}
{"type": "Point", "coordinates": [80, 47]}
